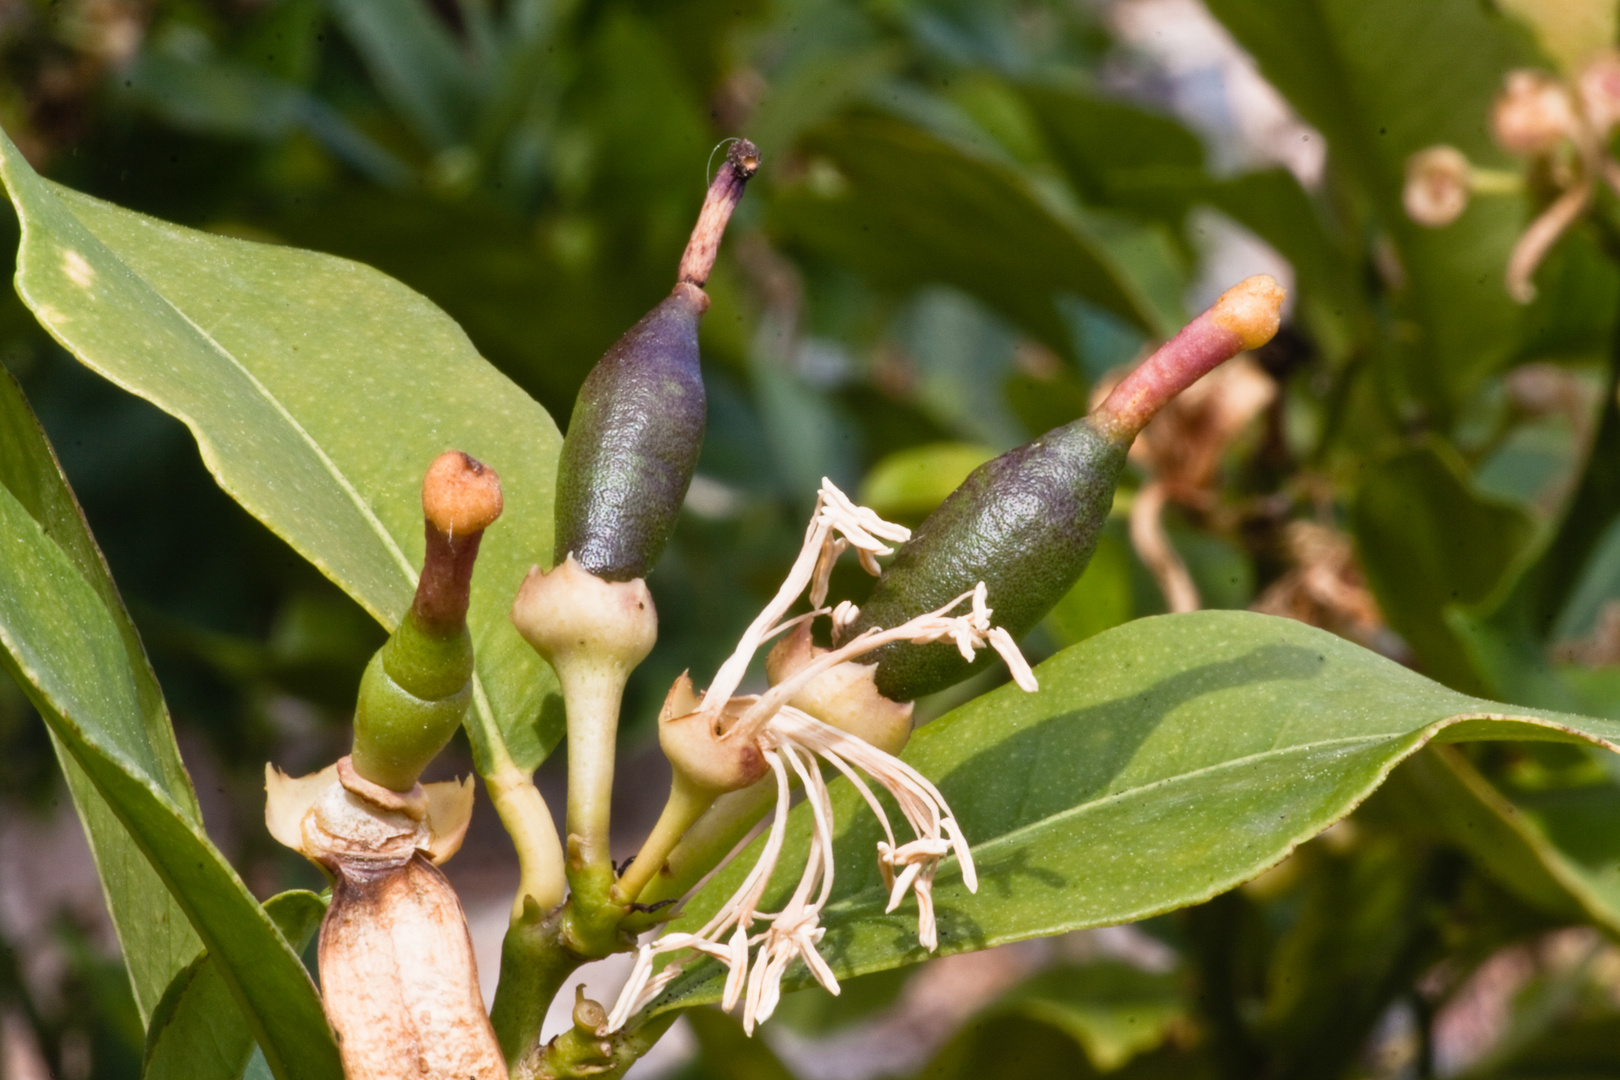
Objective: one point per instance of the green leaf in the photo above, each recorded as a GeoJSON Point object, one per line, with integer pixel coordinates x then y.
{"type": "Point", "coordinates": [911, 483]}
{"type": "Point", "coordinates": [1363, 73]}
{"type": "Point", "coordinates": [198, 1034]}
{"type": "Point", "coordinates": [63, 645]}
{"type": "Point", "coordinates": [1429, 541]}
{"type": "Point", "coordinates": [155, 938]}
{"type": "Point", "coordinates": [1113, 1010]}
{"type": "Point", "coordinates": [1116, 154]}
{"type": "Point", "coordinates": [1557, 850]}
{"type": "Point", "coordinates": [318, 391]}
{"type": "Point", "coordinates": [1160, 764]}
{"type": "Point", "coordinates": [416, 63]}
{"type": "Point", "coordinates": [907, 208]}
{"type": "Point", "coordinates": [725, 1052]}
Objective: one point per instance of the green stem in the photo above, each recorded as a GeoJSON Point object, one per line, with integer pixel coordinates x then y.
{"type": "Point", "coordinates": [534, 966]}
{"type": "Point", "coordinates": [523, 812]}
{"type": "Point", "coordinates": [592, 690]}
{"type": "Point", "coordinates": [705, 844]}
{"type": "Point", "coordinates": [528, 821]}
{"type": "Point", "coordinates": [579, 1053]}
{"type": "Point", "coordinates": [685, 806]}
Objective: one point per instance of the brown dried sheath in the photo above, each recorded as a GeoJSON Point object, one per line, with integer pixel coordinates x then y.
{"type": "Point", "coordinates": [398, 977]}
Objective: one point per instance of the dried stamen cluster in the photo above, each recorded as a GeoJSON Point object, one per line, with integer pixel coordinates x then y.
{"type": "Point", "coordinates": [764, 732]}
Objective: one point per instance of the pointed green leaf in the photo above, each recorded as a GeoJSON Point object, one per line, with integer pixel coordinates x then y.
{"type": "Point", "coordinates": [153, 933]}
{"type": "Point", "coordinates": [1557, 850]}
{"type": "Point", "coordinates": [63, 646]}
{"type": "Point", "coordinates": [318, 391]}
{"type": "Point", "coordinates": [1160, 764]}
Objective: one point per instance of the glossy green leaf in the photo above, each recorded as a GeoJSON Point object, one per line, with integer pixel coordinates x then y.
{"type": "Point", "coordinates": [1160, 764]}
{"type": "Point", "coordinates": [907, 208]}
{"type": "Point", "coordinates": [64, 646]}
{"type": "Point", "coordinates": [199, 1033]}
{"type": "Point", "coordinates": [1428, 541]}
{"type": "Point", "coordinates": [910, 483]}
{"type": "Point", "coordinates": [318, 391]}
{"type": "Point", "coordinates": [155, 938]}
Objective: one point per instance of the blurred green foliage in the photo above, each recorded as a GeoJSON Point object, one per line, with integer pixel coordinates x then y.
{"type": "Point", "coordinates": [970, 213]}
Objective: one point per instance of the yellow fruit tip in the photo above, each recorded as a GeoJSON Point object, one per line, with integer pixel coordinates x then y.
{"type": "Point", "coordinates": [1251, 309]}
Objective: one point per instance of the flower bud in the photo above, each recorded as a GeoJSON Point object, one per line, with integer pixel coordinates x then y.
{"type": "Point", "coordinates": [415, 691]}
{"type": "Point", "coordinates": [1437, 188]}
{"type": "Point", "coordinates": [699, 752]}
{"type": "Point", "coordinates": [845, 697]}
{"type": "Point", "coordinates": [1026, 523]}
{"type": "Point", "coordinates": [1532, 114]}
{"type": "Point", "coordinates": [637, 425]}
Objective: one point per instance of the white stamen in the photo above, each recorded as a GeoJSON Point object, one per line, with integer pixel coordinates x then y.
{"type": "Point", "coordinates": [791, 739]}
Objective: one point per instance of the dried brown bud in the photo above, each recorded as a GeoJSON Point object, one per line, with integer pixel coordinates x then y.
{"type": "Point", "coordinates": [399, 980]}
{"type": "Point", "coordinates": [1437, 187]}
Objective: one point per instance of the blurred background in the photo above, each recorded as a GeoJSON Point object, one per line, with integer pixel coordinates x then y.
{"type": "Point", "coordinates": [972, 214]}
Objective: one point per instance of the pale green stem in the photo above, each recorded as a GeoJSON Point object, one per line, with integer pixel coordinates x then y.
{"type": "Point", "coordinates": [522, 811]}
{"type": "Point", "coordinates": [685, 806]}
{"type": "Point", "coordinates": [1494, 181]}
{"type": "Point", "coordinates": [710, 840]}
{"type": "Point", "coordinates": [528, 821]}
{"type": "Point", "coordinates": [592, 691]}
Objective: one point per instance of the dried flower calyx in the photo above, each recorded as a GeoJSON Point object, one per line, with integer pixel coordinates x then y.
{"type": "Point", "coordinates": [398, 978]}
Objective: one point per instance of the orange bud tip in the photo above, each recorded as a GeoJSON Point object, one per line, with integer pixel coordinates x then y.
{"type": "Point", "coordinates": [1251, 309]}
{"type": "Point", "coordinates": [460, 494]}
{"type": "Point", "coordinates": [1245, 317]}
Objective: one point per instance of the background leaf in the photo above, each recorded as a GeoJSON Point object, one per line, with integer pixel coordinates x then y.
{"type": "Point", "coordinates": [1428, 541]}
{"type": "Point", "coordinates": [907, 208]}
{"type": "Point", "coordinates": [63, 645]}
{"type": "Point", "coordinates": [156, 939]}
{"type": "Point", "coordinates": [1160, 764]}
{"type": "Point", "coordinates": [1348, 67]}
